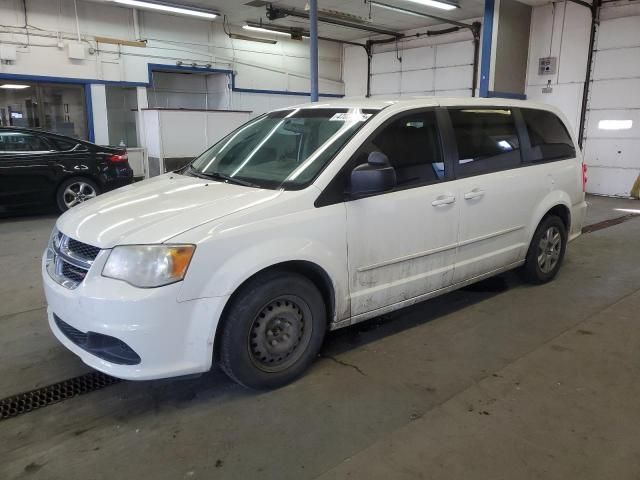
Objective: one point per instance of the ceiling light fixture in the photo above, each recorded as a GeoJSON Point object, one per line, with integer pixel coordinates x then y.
{"type": "Point", "coordinates": [396, 9]}
{"type": "Point", "coordinates": [13, 86]}
{"type": "Point", "coordinates": [169, 8]}
{"type": "Point", "coordinates": [436, 4]}
{"type": "Point", "coordinates": [238, 36]}
{"type": "Point", "coordinates": [264, 30]}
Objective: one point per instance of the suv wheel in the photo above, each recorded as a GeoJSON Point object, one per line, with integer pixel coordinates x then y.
{"type": "Point", "coordinates": [546, 251]}
{"type": "Point", "coordinates": [272, 331]}
{"type": "Point", "coordinates": [74, 191]}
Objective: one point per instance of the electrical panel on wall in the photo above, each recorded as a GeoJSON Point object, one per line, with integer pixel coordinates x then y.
{"type": "Point", "coordinates": [8, 53]}
{"type": "Point", "coordinates": [547, 65]}
{"type": "Point", "coordinates": [77, 51]}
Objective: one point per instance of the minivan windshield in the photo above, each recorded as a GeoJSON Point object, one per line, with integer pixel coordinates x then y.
{"type": "Point", "coordinates": [282, 149]}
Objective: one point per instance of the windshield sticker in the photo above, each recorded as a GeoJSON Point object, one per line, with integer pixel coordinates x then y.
{"type": "Point", "coordinates": [350, 116]}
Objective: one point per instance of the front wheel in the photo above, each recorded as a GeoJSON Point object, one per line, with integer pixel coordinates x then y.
{"type": "Point", "coordinates": [75, 191]}
{"type": "Point", "coordinates": [272, 330]}
{"type": "Point", "coordinates": [546, 251]}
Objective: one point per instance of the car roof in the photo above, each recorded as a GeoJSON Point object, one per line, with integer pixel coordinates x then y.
{"type": "Point", "coordinates": [402, 103]}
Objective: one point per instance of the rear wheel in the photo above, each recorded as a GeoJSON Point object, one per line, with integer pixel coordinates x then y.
{"type": "Point", "coordinates": [272, 331]}
{"type": "Point", "coordinates": [546, 251]}
{"type": "Point", "coordinates": [75, 191]}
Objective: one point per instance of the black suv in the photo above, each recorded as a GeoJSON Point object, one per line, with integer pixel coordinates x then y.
{"type": "Point", "coordinates": [41, 168]}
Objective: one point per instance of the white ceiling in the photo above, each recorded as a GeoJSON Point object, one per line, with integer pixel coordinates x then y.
{"type": "Point", "coordinates": [237, 13]}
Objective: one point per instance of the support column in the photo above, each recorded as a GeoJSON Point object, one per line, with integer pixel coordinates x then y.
{"type": "Point", "coordinates": [98, 111]}
{"type": "Point", "coordinates": [313, 47]}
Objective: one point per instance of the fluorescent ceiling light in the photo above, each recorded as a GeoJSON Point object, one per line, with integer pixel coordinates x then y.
{"type": "Point", "coordinates": [13, 86]}
{"type": "Point", "coordinates": [436, 4]}
{"type": "Point", "coordinates": [247, 38]}
{"type": "Point", "coordinates": [615, 124]}
{"type": "Point", "coordinates": [265, 30]}
{"type": "Point", "coordinates": [396, 9]}
{"type": "Point", "coordinates": [166, 7]}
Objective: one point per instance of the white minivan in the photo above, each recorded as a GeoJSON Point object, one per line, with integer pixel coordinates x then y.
{"type": "Point", "coordinates": [308, 219]}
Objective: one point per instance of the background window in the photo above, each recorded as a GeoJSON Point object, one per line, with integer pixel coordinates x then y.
{"type": "Point", "coordinates": [549, 137]}
{"type": "Point", "coordinates": [55, 107]}
{"type": "Point", "coordinates": [22, 142]}
{"type": "Point", "coordinates": [412, 144]}
{"type": "Point", "coordinates": [487, 140]}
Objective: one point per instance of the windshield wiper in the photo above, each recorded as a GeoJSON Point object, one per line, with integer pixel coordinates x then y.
{"type": "Point", "coordinates": [223, 177]}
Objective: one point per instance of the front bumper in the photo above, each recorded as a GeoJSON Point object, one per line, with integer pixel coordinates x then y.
{"type": "Point", "coordinates": [171, 338]}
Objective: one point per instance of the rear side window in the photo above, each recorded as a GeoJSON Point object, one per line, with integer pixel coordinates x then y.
{"type": "Point", "coordinates": [62, 145]}
{"type": "Point", "coordinates": [549, 138]}
{"type": "Point", "coordinates": [486, 138]}
{"type": "Point", "coordinates": [16, 142]}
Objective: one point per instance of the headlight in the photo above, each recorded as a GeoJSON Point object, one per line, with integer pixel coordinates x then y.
{"type": "Point", "coordinates": [148, 266]}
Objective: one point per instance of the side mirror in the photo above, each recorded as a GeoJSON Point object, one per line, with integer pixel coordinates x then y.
{"type": "Point", "coordinates": [375, 176]}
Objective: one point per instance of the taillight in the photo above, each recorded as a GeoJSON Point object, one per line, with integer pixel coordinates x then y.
{"type": "Point", "coordinates": [118, 158]}
{"type": "Point", "coordinates": [584, 177]}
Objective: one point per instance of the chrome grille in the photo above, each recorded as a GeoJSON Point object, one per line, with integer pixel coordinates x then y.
{"type": "Point", "coordinates": [69, 260]}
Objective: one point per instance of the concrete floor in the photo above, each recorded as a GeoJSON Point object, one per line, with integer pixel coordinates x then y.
{"type": "Point", "coordinates": [501, 380]}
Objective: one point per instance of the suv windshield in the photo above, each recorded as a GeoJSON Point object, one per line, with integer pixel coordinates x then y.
{"type": "Point", "coordinates": [282, 149]}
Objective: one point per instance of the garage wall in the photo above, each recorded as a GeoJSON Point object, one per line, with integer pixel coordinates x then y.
{"type": "Point", "coordinates": [282, 67]}
{"type": "Point", "coordinates": [562, 30]}
{"type": "Point", "coordinates": [613, 155]}
{"type": "Point", "coordinates": [440, 66]}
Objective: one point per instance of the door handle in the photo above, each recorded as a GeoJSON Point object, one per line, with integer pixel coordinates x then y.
{"type": "Point", "coordinates": [475, 193]}
{"type": "Point", "coordinates": [81, 167]}
{"type": "Point", "coordinates": [443, 200]}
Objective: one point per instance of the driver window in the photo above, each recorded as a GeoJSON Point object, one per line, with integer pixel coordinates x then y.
{"type": "Point", "coordinates": [412, 145]}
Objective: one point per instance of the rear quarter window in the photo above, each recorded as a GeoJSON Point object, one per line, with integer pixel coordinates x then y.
{"type": "Point", "coordinates": [548, 135]}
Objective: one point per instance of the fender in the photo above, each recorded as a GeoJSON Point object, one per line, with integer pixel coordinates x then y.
{"type": "Point", "coordinates": [241, 249]}
{"type": "Point", "coordinates": [553, 199]}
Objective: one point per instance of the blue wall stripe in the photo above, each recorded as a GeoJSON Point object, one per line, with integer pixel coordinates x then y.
{"type": "Point", "coordinates": [487, 34]}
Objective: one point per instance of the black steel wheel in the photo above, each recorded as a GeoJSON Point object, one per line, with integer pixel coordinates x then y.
{"type": "Point", "coordinates": [272, 330]}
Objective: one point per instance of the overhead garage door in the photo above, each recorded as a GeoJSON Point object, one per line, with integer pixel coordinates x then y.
{"type": "Point", "coordinates": [612, 146]}
{"type": "Point", "coordinates": [443, 70]}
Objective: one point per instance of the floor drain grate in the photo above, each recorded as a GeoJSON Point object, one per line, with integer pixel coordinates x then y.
{"type": "Point", "coordinates": [57, 392]}
{"type": "Point", "coordinates": [594, 227]}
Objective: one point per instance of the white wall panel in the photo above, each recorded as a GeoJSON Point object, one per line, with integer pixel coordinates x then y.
{"type": "Point", "coordinates": [418, 58]}
{"type": "Point", "coordinates": [615, 94]}
{"type": "Point", "coordinates": [384, 63]}
{"type": "Point", "coordinates": [612, 181]}
{"type": "Point", "coordinates": [417, 81]}
{"type": "Point", "coordinates": [617, 63]}
{"type": "Point", "coordinates": [597, 116]}
{"type": "Point", "coordinates": [613, 152]}
{"type": "Point", "coordinates": [619, 32]}
{"type": "Point", "coordinates": [443, 69]}
{"type": "Point", "coordinates": [612, 155]}
{"type": "Point", "coordinates": [454, 54]}
{"type": "Point", "coordinates": [454, 78]}
{"type": "Point", "coordinates": [385, 83]}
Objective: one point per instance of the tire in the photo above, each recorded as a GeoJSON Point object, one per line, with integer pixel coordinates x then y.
{"type": "Point", "coordinates": [272, 330]}
{"type": "Point", "coordinates": [546, 251]}
{"type": "Point", "coordinates": [75, 190]}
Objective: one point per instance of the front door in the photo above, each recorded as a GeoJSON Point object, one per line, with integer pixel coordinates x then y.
{"type": "Point", "coordinates": [402, 243]}
{"type": "Point", "coordinates": [25, 169]}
